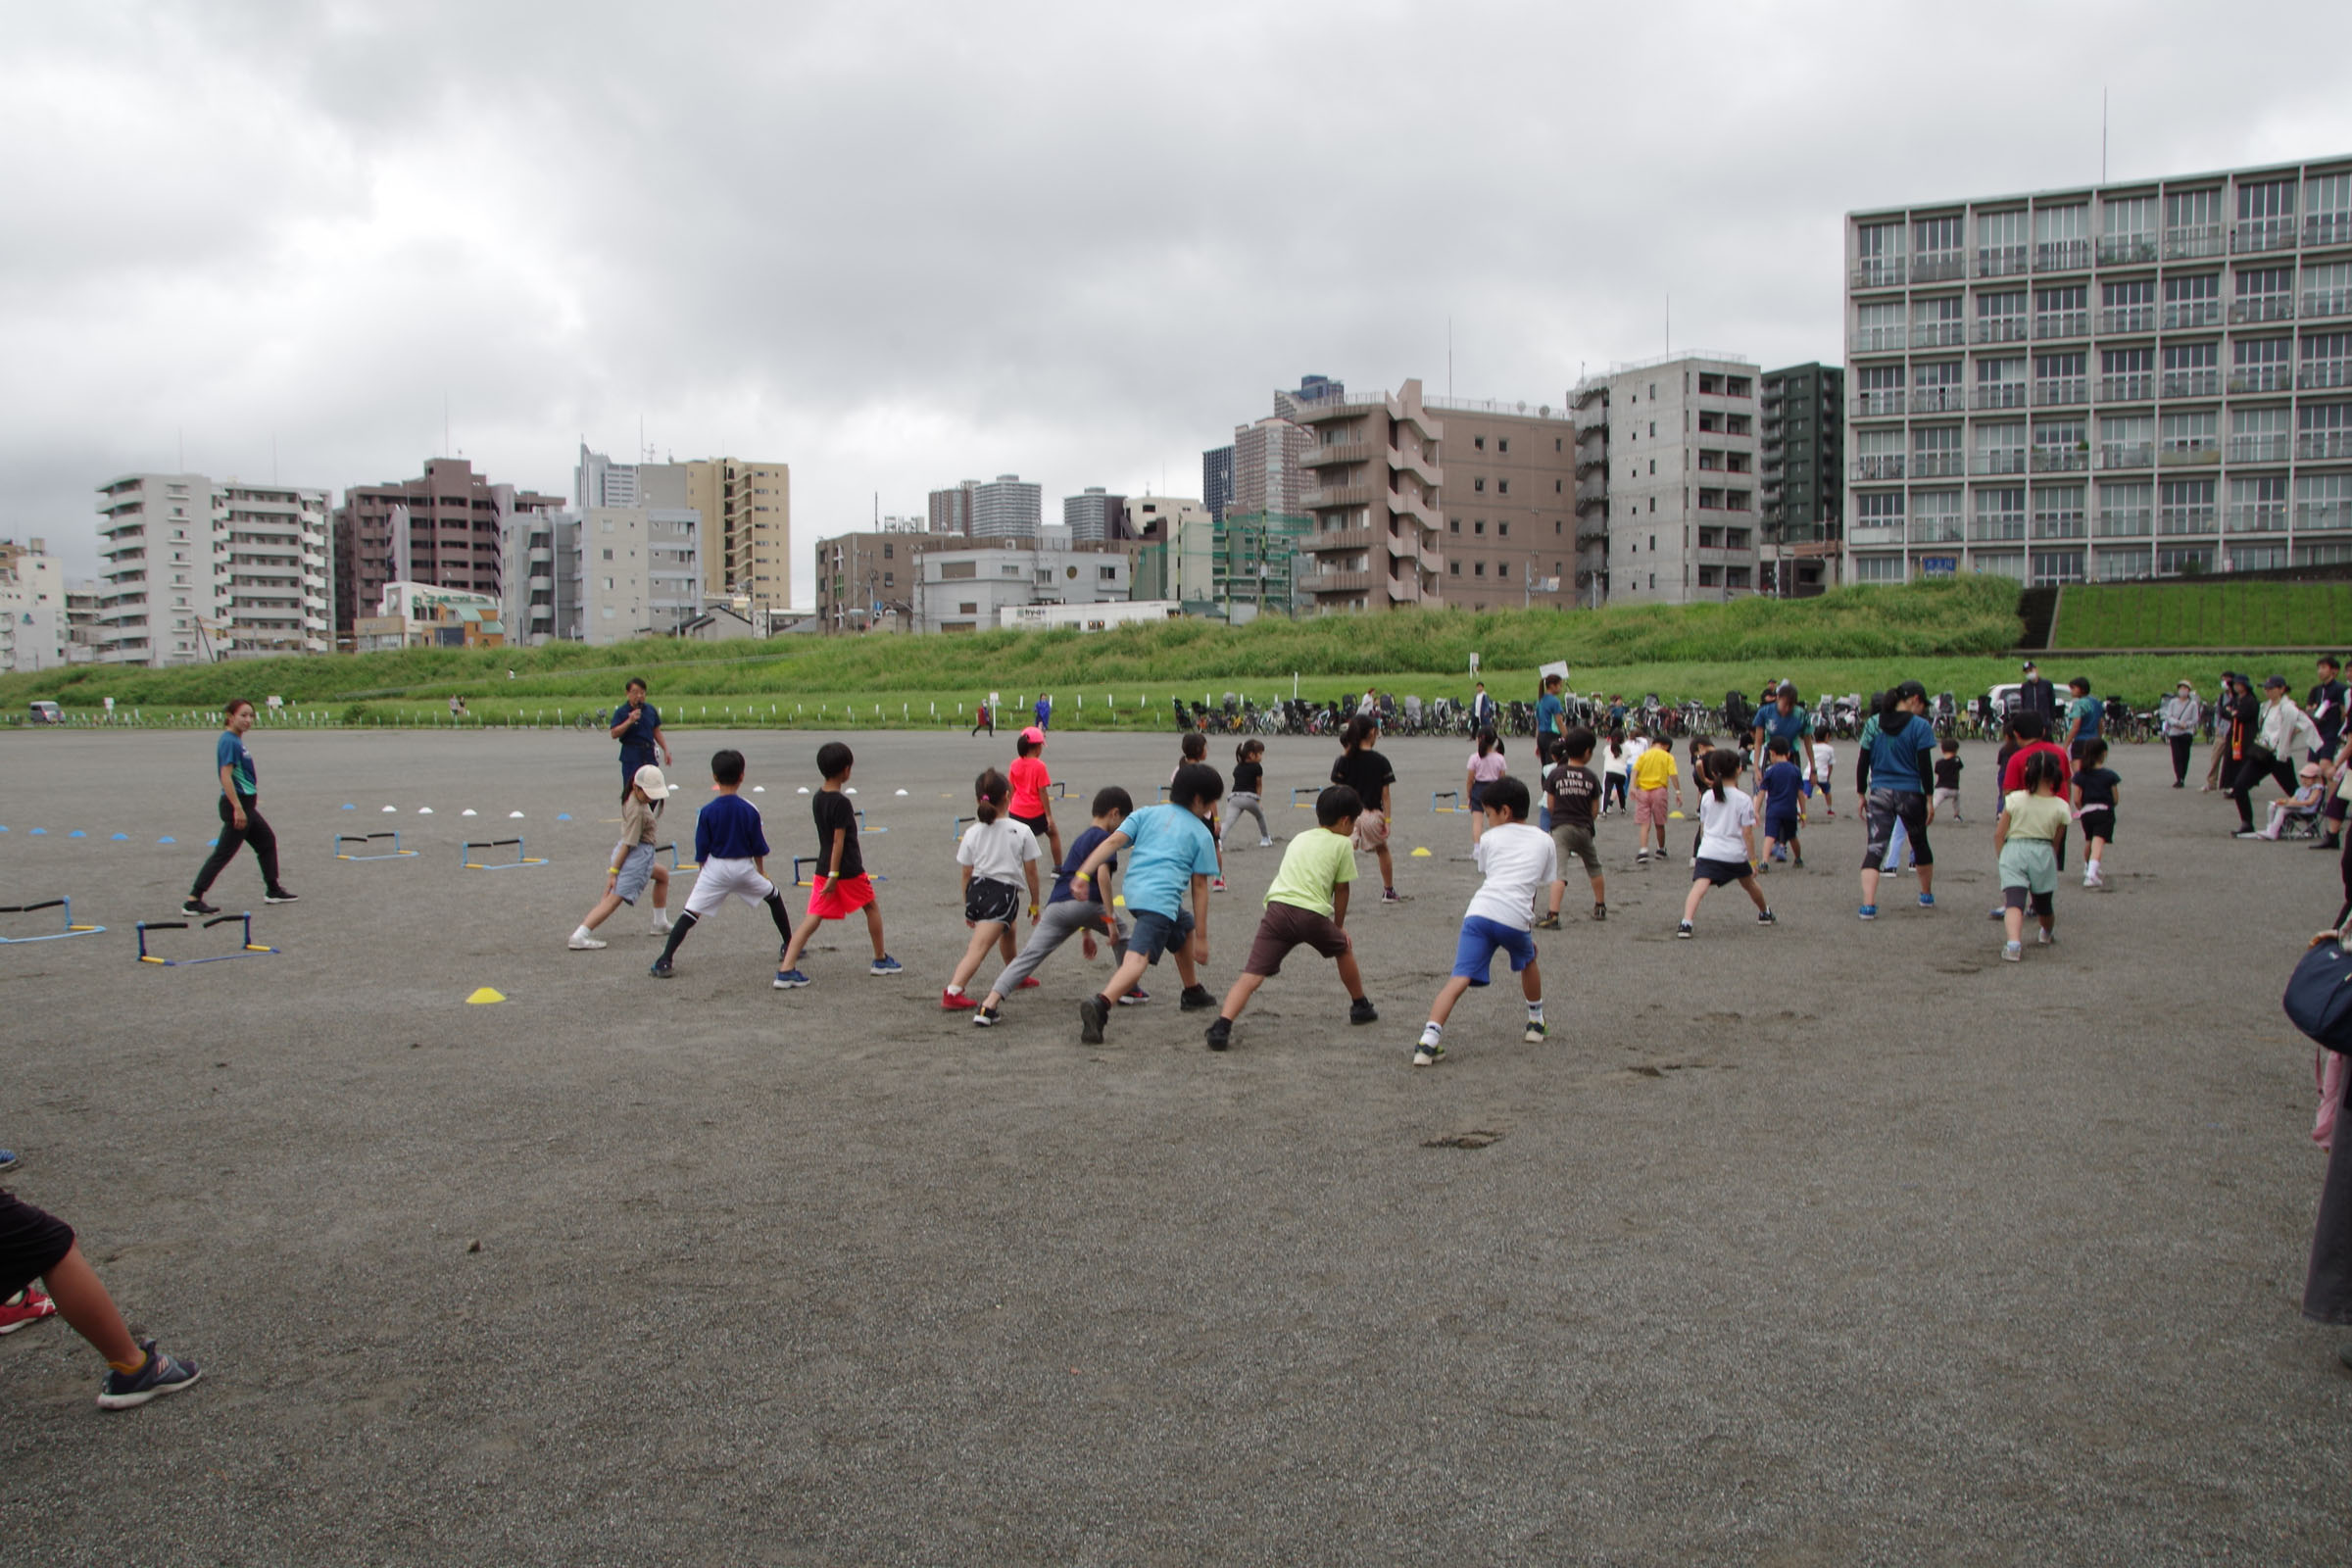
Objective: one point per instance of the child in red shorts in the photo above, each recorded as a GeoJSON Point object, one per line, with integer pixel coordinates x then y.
{"type": "Point", "coordinates": [843, 887]}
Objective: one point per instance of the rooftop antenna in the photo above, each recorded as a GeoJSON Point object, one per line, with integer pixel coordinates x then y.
{"type": "Point", "coordinates": [1449, 355]}
{"type": "Point", "coordinates": [1670, 321]}
{"type": "Point", "coordinates": [445, 421]}
{"type": "Point", "coordinates": [2102, 134]}
{"type": "Point", "coordinates": [273, 456]}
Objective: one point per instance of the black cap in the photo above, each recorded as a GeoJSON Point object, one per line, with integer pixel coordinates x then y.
{"type": "Point", "coordinates": [2278, 681]}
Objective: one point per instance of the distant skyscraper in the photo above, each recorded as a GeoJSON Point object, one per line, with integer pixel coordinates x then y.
{"type": "Point", "coordinates": [951, 509]}
{"type": "Point", "coordinates": [1006, 508]}
{"type": "Point", "coordinates": [1267, 477]}
{"type": "Point", "coordinates": [1311, 391]}
{"type": "Point", "coordinates": [1095, 517]}
{"type": "Point", "coordinates": [1802, 465]}
{"type": "Point", "coordinates": [1217, 480]}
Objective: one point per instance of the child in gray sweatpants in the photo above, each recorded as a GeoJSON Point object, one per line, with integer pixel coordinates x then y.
{"type": "Point", "coordinates": [1066, 914]}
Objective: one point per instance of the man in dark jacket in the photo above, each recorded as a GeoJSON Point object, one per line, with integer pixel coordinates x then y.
{"type": "Point", "coordinates": [2035, 695]}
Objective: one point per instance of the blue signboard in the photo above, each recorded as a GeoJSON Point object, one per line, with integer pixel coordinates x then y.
{"type": "Point", "coordinates": [1938, 565]}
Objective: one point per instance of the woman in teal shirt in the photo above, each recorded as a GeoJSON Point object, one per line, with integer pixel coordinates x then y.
{"type": "Point", "coordinates": [240, 815]}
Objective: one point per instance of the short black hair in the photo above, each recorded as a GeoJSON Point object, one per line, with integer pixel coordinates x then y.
{"type": "Point", "coordinates": [1507, 794]}
{"type": "Point", "coordinates": [2028, 726]}
{"type": "Point", "coordinates": [1951, 746]}
{"type": "Point", "coordinates": [1197, 784]}
{"type": "Point", "coordinates": [1336, 804]}
{"type": "Point", "coordinates": [728, 766]}
{"type": "Point", "coordinates": [636, 684]}
{"type": "Point", "coordinates": [2080, 683]}
{"type": "Point", "coordinates": [2094, 752]}
{"type": "Point", "coordinates": [1778, 745]}
{"type": "Point", "coordinates": [833, 759]}
{"type": "Point", "coordinates": [1111, 798]}
{"type": "Point", "coordinates": [1576, 745]}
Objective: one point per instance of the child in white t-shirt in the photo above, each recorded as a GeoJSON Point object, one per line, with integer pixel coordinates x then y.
{"type": "Point", "coordinates": [1519, 862]}
{"type": "Point", "coordinates": [1726, 839]}
{"type": "Point", "coordinates": [994, 850]}
{"type": "Point", "coordinates": [1825, 764]}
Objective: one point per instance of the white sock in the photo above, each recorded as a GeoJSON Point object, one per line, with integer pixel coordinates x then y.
{"type": "Point", "coordinates": [2091, 869]}
{"type": "Point", "coordinates": [580, 935]}
{"type": "Point", "coordinates": [1432, 1033]}
{"type": "Point", "coordinates": [955, 991]}
{"type": "Point", "coordinates": [1535, 1010]}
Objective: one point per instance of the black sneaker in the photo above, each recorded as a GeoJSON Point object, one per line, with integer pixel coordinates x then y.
{"type": "Point", "coordinates": [163, 1374]}
{"type": "Point", "coordinates": [661, 969]}
{"type": "Point", "coordinates": [196, 905]}
{"type": "Point", "coordinates": [1601, 911]}
{"type": "Point", "coordinates": [2329, 844]}
{"type": "Point", "coordinates": [1549, 922]}
{"type": "Point", "coordinates": [1684, 931]}
{"type": "Point", "coordinates": [1219, 1035]}
{"type": "Point", "coordinates": [1092, 1015]}
{"type": "Point", "coordinates": [1362, 1010]}
{"type": "Point", "coordinates": [988, 1018]}
{"type": "Point", "coordinates": [1767, 918]}
{"type": "Point", "coordinates": [1195, 998]}
{"type": "Point", "coordinates": [281, 896]}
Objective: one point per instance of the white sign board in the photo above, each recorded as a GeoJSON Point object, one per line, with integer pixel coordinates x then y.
{"type": "Point", "coordinates": [1473, 663]}
{"type": "Point", "coordinates": [1558, 667]}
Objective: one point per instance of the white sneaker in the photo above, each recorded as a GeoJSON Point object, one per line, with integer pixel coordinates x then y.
{"type": "Point", "coordinates": [1265, 844]}
{"type": "Point", "coordinates": [660, 927]}
{"type": "Point", "coordinates": [581, 944]}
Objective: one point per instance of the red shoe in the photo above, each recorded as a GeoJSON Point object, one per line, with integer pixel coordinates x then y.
{"type": "Point", "coordinates": [1030, 983]}
{"type": "Point", "coordinates": [28, 1306]}
{"type": "Point", "coordinates": [956, 1000]}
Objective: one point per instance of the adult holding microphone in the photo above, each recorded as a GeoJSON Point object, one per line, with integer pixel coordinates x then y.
{"type": "Point", "coordinates": [638, 728]}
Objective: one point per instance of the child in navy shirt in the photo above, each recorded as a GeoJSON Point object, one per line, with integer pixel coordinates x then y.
{"type": "Point", "coordinates": [1782, 786]}
{"type": "Point", "coordinates": [733, 852]}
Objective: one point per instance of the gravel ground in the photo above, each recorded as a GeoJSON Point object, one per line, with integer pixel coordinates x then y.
{"type": "Point", "coordinates": [1821, 1244]}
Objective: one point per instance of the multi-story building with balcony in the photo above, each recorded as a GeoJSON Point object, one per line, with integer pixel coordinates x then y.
{"type": "Point", "coordinates": [746, 538]}
{"type": "Point", "coordinates": [1094, 516]}
{"type": "Point", "coordinates": [872, 580]}
{"type": "Point", "coordinates": [2125, 381]}
{"type": "Point", "coordinates": [1667, 481]}
{"type": "Point", "coordinates": [33, 609]}
{"type": "Point", "coordinates": [639, 570]}
{"type": "Point", "coordinates": [197, 570]}
{"type": "Point", "coordinates": [1801, 460]}
{"type": "Point", "coordinates": [447, 529]}
{"type": "Point", "coordinates": [543, 579]}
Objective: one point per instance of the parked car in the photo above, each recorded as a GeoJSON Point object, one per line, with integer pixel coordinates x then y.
{"type": "Point", "coordinates": [2004, 698]}
{"type": "Point", "coordinates": [46, 713]}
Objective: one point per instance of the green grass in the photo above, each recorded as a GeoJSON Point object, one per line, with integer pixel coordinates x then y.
{"type": "Point", "coordinates": [2206, 614]}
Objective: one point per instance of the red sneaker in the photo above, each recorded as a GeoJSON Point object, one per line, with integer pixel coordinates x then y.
{"type": "Point", "coordinates": [28, 1306]}
{"type": "Point", "coordinates": [956, 1000]}
{"type": "Point", "coordinates": [1030, 983]}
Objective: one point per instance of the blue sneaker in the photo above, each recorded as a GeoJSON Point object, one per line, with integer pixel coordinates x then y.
{"type": "Point", "coordinates": [1868, 911]}
{"type": "Point", "coordinates": [1927, 901]}
{"type": "Point", "coordinates": [885, 964]}
{"type": "Point", "coordinates": [7, 1159]}
{"type": "Point", "coordinates": [661, 969]}
{"type": "Point", "coordinates": [163, 1374]}
{"type": "Point", "coordinates": [791, 980]}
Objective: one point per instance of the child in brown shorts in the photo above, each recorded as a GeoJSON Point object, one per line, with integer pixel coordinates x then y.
{"type": "Point", "coordinates": [1307, 907]}
{"type": "Point", "coordinates": [1575, 794]}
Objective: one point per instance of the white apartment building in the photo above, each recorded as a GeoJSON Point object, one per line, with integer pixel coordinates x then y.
{"type": "Point", "coordinates": [1666, 480]}
{"type": "Point", "coordinates": [33, 609]}
{"type": "Point", "coordinates": [542, 578]}
{"type": "Point", "coordinates": [196, 570]}
{"type": "Point", "coordinates": [969, 590]}
{"type": "Point", "coordinates": [1007, 508]}
{"type": "Point", "coordinates": [2135, 379]}
{"type": "Point", "coordinates": [639, 571]}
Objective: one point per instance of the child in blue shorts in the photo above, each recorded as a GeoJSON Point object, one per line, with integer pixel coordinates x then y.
{"type": "Point", "coordinates": [1173, 852]}
{"type": "Point", "coordinates": [1781, 785]}
{"type": "Point", "coordinates": [1519, 862]}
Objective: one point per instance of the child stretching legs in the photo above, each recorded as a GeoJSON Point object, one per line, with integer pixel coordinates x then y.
{"type": "Point", "coordinates": [995, 850]}
{"type": "Point", "coordinates": [1307, 905]}
{"type": "Point", "coordinates": [843, 888]}
{"type": "Point", "coordinates": [1173, 853]}
{"type": "Point", "coordinates": [733, 851]}
{"type": "Point", "coordinates": [1727, 837]}
{"type": "Point", "coordinates": [1519, 862]}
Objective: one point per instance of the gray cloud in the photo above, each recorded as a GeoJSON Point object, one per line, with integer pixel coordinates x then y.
{"type": "Point", "coordinates": [900, 244]}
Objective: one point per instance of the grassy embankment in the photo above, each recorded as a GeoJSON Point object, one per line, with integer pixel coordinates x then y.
{"type": "Point", "coordinates": [1952, 635]}
{"type": "Point", "coordinates": [2204, 615]}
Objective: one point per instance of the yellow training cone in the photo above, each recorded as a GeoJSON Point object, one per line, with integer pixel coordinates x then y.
{"type": "Point", "coordinates": [1419, 855]}
{"type": "Point", "coordinates": [485, 995]}
{"type": "Point", "coordinates": [1119, 900]}
{"type": "Point", "coordinates": [1675, 817]}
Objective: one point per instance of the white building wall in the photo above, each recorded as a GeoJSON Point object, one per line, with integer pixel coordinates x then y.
{"type": "Point", "coordinates": [639, 571]}
{"type": "Point", "coordinates": [32, 616]}
{"type": "Point", "coordinates": [1666, 419]}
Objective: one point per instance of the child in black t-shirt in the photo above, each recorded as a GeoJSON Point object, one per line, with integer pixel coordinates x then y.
{"type": "Point", "coordinates": [1947, 779]}
{"type": "Point", "coordinates": [1574, 795]}
{"type": "Point", "coordinates": [2096, 787]}
{"type": "Point", "coordinates": [840, 886]}
{"type": "Point", "coordinates": [1248, 773]}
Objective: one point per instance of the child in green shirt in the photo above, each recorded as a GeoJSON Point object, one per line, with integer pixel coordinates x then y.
{"type": "Point", "coordinates": [1306, 906]}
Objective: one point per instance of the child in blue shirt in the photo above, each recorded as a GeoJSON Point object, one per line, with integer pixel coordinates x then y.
{"type": "Point", "coordinates": [1783, 784]}
{"type": "Point", "coordinates": [1172, 849]}
{"type": "Point", "coordinates": [733, 850]}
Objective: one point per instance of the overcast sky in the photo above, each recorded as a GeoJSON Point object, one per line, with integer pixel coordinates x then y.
{"type": "Point", "coordinates": [897, 245]}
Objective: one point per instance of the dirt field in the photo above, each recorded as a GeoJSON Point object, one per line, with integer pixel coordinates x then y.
{"type": "Point", "coordinates": [1829, 1242]}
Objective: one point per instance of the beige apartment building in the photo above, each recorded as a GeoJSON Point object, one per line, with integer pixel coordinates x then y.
{"type": "Point", "coordinates": [1437, 502]}
{"type": "Point", "coordinates": [746, 529]}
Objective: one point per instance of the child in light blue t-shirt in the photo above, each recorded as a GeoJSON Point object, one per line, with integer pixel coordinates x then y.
{"type": "Point", "coordinates": [1171, 851]}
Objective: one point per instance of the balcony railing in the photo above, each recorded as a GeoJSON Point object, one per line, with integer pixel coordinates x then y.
{"type": "Point", "coordinates": [2258, 516]}
{"type": "Point", "coordinates": [2058, 390]}
{"type": "Point", "coordinates": [2184, 315]}
{"type": "Point", "coordinates": [1878, 405]}
{"type": "Point", "coordinates": [2263, 234]}
{"type": "Point", "coordinates": [1334, 539]}
{"type": "Point", "coordinates": [1344, 495]}
{"type": "Point", "coordinates": [1996, 530]}
{"type": "Point", "coordinates": [2319, 373]}
{"type": "Point", "coordinates": [1879, 271]}
{"type": "Point", "coordinates": [2186, 520]}
{"type": "Point", "coordinates": [2061, 324]}
{"type": "Point", "coordinates": [1880, 339]}
{"type": "Point", "coordinates": [2126, 522]}
{"type": "Point", "coordinates": [2133, 386]}
{"type": "Point", "coordinates": [2278, 377]}
{"type": "Point", "coordinates": [2061, 460]}
{"type": "Point", "coordinates": [2192, 452]}
{"type": "Point", "coordinates": [2188, 244]}
{"type": "Point", "coordinates": [1938, 267]}
{"type": "Point", "coordinates": [1935, 531]}
{"type": "Point", "coordinates": [2323, 444]}
{"type": "Point", "coordinates": [2269, 448]}
{"type": "Point", "coordinates": [1938, 334]}
{"type": "Point", "coordinates": [2262, 308]}
{"type": "Point", "coordinates": [2000, 395]}
{"type": "Point", "coordinates": [1887, 533]}
{"type": "Point", "coordinates": [1337, 452]}
{"type": "Point", "coordinates": [2127, 454]}
{"type": "Point", "coordinates": [2061, 255]}
{"type": "Point", "coordinates": [2001, 260]}
{"type": "Point", "coordinates": [2001, 328]}
{"type": "Point", "coordinates": [2328, 301]}
{"type": "Point", "coordinates": [1998, 461]}
{"type": "Point", "coordinates": [2199, 383]}
{"type": "Point", "coordinates": [1336, 582]}
{"type": "Point", "coordinates": [1888, 466]}
{"type": "Point", "coordinates": [1937, 464]}
{"type": "Point", "coordinates": [2327, 229]}
{"type": "Point", "coordinates": [2061, 525]}
{"type": "Point", "coordinates": [2122, 250]}
{"type": "Point", "coordinates": [1949, 398]}
{"type": "Point", "coordinates": [2322, 514]}
{"type": "Point", "coordinates": [2128, 318]}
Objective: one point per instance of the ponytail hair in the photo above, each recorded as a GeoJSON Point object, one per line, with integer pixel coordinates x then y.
{"type": "Point", "coordinates": [1359, 730]}
{"type": "Point", "coordinates": [1195, 746]}
{"type": "Point", "coordinates": [1721, 765]}
{"type": "Point", "coordinates": [992, 789]}
{"type": "Point", "coordinates": [1252, 746]}
{"type": "Point", "coordinates": [2043, 768]}
{"type": "Point", "coordinates": [1486, 741]}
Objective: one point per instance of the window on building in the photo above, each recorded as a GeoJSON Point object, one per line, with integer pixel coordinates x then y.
{"type": "Point", "coordinates": [1502, 531]}
{"type": "Point", "coordinates": [1502, 487]}
{"type": "Point", "coordinates": [1479, 486]}
{"type": "Point", "coordinates": [887, 546]}
{"type": "Point", "coordinates": [1453, 525]}
{"type": "Point", "coordinates": [1478, 443]}
{"type": "Point", "coordinates": [1455, 568]}
{"type": "Point", "coordinates": [1479, 526]}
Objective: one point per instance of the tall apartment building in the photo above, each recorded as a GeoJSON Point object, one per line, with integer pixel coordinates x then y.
{"type": "Point", "coordinates": [447, 529]}
{"type": "Point", "coordinates": [1178, 548]}
{"type": "Point", "coordinates": [1423, 501]}
{"type": "Point", "coordinates": [871, 580]}
{"type": "Point", "coordinates": [746, 543]}
{"type": "Point", "coordinates": [2140, 378]}
{"type": "Point", "coordinates": [1095, 517]}
{"type": "Point", "coordinates": [951, 509]}
{"type": "Point", "coordinates": [1217, 480]}
{"type": "Point", "coordinates": [33, 626]}
{"type": "Point", "coordinates": [543, 579]}
{"type": "Point", "coordinates": [1006, 508]}
{"type": "Point", "coordinates": [197, 570]}
{"type": "Point", "coordinates": [1802, 463]}
{"type": "Point", "coordinates": [1268, 467]}
{"type": "Point", "coordinates": [1667, 481]}
{"type": "Point", "coordinates": [639, 570]}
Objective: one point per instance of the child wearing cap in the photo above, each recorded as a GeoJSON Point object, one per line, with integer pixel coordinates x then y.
{"type": "Point", "coordinates": [1030, 782]}
{"type": "Point", "coordinates": [632, 860]}
{"type": "Point", "coordinates": [2306, 799]}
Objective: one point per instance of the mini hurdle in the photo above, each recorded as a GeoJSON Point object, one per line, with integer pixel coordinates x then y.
{"type": "Point", "coordinates": [246, 948]}
{"type": "Point", "coordinates": [1455, 795]}
{"type": "Point", "coordinates": [1058, 790]}
{"type": "Point", "coordinates": [70, 929]}
{"type": "Point", "coordinates": [1311, 790]}
{"type": "Point", "coordinates": [369, 841]}
{"type": "Point", "coordinates": [959, 825]}
{"type": "Point", "coordinates": [1167, 792]}
{"type": "Point", "coordinates": [469, 862]}
{"type": "Point", "coordinates": [675, 864]}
